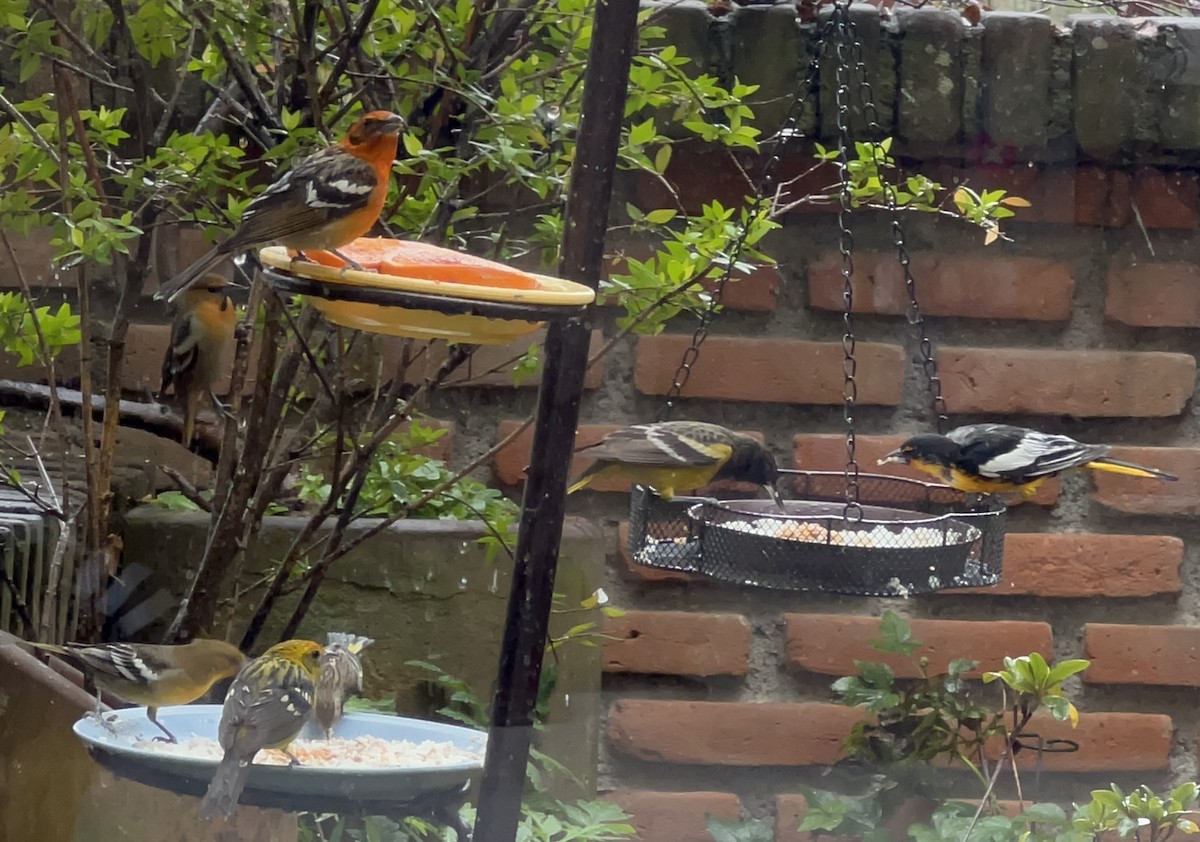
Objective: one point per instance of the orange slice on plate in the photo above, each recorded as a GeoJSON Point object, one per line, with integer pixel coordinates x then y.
{"type": "Point", "coordinates": [409, 259]}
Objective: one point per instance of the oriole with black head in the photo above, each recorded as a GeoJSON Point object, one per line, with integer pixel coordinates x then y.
{"type": "Point", "coordinates": [1000, 459]}
{"type": "Point", "coordinates": [680, 455]}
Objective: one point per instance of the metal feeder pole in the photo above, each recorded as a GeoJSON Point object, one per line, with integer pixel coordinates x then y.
{"type": "Point", "coordinates": [614, 32]}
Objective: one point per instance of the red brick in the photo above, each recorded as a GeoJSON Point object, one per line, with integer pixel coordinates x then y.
{"type": "Point", "coordinates": [700, 176]}
{"type": "Point", "coordinates": [1129, 654]}
{"type": "Point", "coordinates": [1050, 191]}
{"type": "Point", "coordinates": [770, 370]}
{"type": "Point", "coordinates": [510, 463]}
{"type": "Point", "coordinates": [1165, 198]}
{"type": "Point", "coordinates": [1155, 294]}
{"type": "Point", "coordinates": [35, 256]}
{"type": "Point", "coordinates": [1084, 384]}
{"type": "Point", "coordinates": [827, 452]}
{"type": "Point", "coordinates": [831, 643]}
{"type": "Point", "coordinates": [1102, 197]}
{"type": "Point", "coordinates": [674, 816]}
{"type": "Point", "coordinates": [677, 643]}
{"type": "Point", "coordinates": [1127, 742]}
{"type": "Point", "coordinates": [175, 247]}
{"type": "Point", "coordinates": [755, 292]}
{"type": "Point", "coordinates": [730, 733]}
{"type": "Point", "coordinates": [642, 572]}
{"type": "Point", "coordinates": [999, 287]}
{"type": "Point", "coordinates": [1070, 565]}
{"type": "Point", "coordinates": [66, 368]}
{"type": "Point", "coordinates": [1148, 496]}
{"type": "Point", "coordinates": [382, 356]}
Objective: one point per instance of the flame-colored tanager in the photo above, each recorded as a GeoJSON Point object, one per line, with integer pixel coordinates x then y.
{"type": "Point", "coordinates": [341, 675]}
{"type": "Point", "coordinates": [153, 675]}
{"type": "Point", "coordinates": [679, 455]}
{"type": "Point", "coordinates": [268, 703]}
{"type": "Point", "coordinates": [324, 201]}
{"type": "Point", "coordinates": [999, 458]}
{"type": "Point", "coordinates": [200, 337]}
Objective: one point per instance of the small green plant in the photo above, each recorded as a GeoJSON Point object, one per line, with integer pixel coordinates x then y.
{"type": "Point", "coordinates": [753, 830]}
{"type": "Point", "coordinates": [560, 821]}
{"type": "Point", "coordinates": [1036, 684]}
{"type": "Point", "coordinates": [19, 324]}
{"type": "Point", "coordinates": [399, 475]}
{"type": "Point", "coordinates": [919, 720]}
{"type": "Point", "coordinates": [914, 724]}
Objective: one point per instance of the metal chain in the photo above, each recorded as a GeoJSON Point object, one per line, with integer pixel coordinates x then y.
{"type": "Point", "coordinates": [762, 199]}
{"type": "Point", "coordinates": [843, 52]}
{"type": "Point", "coordinates": [912, 312]}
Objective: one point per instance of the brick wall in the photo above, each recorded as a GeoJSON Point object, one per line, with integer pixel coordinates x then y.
{"type": "Point", "coordinates": [718, 697]}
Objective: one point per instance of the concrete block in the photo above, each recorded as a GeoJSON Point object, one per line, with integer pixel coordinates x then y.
{"type": "Point", "coordinates": [768, 51]}
{"type": "Point", "coordinates": [1179, 119]}
{"type": "Point", "coordinates": [1107, 88]}
{"type": "Point", "coordinates": [931, 76]}
{"type": "Point", "coordinates": [1016, 79]}
{"type": "Point", "coordinates": [880, 74]}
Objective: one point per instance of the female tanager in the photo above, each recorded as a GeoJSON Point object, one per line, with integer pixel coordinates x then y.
{"type": "Point", "coordinates": [152, 675]}
{"type": "Point", "coordinates": [200, 337]}
{"type": "Point", "coordinates": [324, 201]}
{"type": "Point", "coordinates": [679, 455]}
{"type": "Point", "coordinates": [268, 703]}
{"type": "Point", "coordinates": [1000, 458]}
{"type": "Point", "coordinates": [341, 675]}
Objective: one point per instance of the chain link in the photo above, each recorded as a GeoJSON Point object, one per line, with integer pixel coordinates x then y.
{"type": "Point", "coordinates": [912, 312]}
{"type": "Point", "coordinates": [762, 200]}
{"type": "Point", "coordinates": [844, 40]}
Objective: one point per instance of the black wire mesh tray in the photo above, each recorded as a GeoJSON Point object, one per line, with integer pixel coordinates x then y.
{"type": "Point", "coordinates": [913, 538]}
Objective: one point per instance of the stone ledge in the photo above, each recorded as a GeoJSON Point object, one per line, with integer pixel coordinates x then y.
{"type": "Point", "coordinates": [1013, 88]}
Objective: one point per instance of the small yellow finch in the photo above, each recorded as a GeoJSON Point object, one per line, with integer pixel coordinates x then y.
{"type": "Point", "coordinates": [268, 703]}
{"type": "Point", "coordinates": [341, 675]}
{"type": "Point", "coordinates": [999, 458]}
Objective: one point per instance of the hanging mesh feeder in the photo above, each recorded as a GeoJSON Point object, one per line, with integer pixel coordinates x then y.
{"type": "Point", "coordinates": [939, 539]}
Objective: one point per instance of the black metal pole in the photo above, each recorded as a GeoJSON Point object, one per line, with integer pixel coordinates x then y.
{"type": "Point", "coordinates": [614, 31]}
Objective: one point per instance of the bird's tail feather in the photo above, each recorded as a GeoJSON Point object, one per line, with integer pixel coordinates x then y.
{"type": "Point", "coordinates": [1116, 466]}
{"type": "Point", "coordinates": [172, 288]}
{"type": "Point", "coordinates": [226, 788]}
{"type": "Point", "coordinates": [585, 479]}
{"type": "Point", "coordinates": [191, 406]}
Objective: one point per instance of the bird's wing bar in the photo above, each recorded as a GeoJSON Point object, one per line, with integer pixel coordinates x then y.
{"type": "Point", "coordinates": [124, 662]}
{"type": "Point", "coordinates": [645, 445]}
{"type": "Point", "coordinates": [320, 188]}
{"type": "Point", "coordinates": [1039, 454]}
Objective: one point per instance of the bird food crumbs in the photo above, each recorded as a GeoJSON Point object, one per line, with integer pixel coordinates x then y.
{"type": "Point", "coordinates": [906, 537]}
{"type": "Point", "coordinates": [359, 752]}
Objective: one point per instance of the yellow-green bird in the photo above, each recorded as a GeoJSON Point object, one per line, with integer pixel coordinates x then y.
{"type": "Point", "coordinates": [679, 455]}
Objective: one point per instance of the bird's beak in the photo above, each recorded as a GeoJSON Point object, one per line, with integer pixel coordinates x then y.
{"type": "Point", "coordinates": [773, 490]}
{"type": "Point", "coordinates": [395, 123]}
{"type": "Point", "coordinates": [894, 457]}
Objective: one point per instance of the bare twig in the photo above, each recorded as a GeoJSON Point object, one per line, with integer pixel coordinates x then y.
{"type": "Point", "coordinates": [186, 488]}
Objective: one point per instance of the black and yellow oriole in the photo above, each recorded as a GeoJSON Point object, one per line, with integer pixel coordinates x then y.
{"type": "Point", "coordinates": [999, 458]}
{"type": "Point", "coordinates": [267, 705]}
{"type": "Point", "coordinates": [153, 675]}
{"type": "Point", "coordinates": [683, 455]}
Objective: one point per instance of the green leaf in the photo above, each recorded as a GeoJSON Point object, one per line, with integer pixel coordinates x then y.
{"type": "Point", "coordinates": [895, 635]}
{"type": "Point", "coordinates": [642, 133]}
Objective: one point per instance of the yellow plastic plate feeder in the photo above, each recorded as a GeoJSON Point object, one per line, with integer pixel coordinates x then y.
{"type": "Point", "coordinates": [423, 309]}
